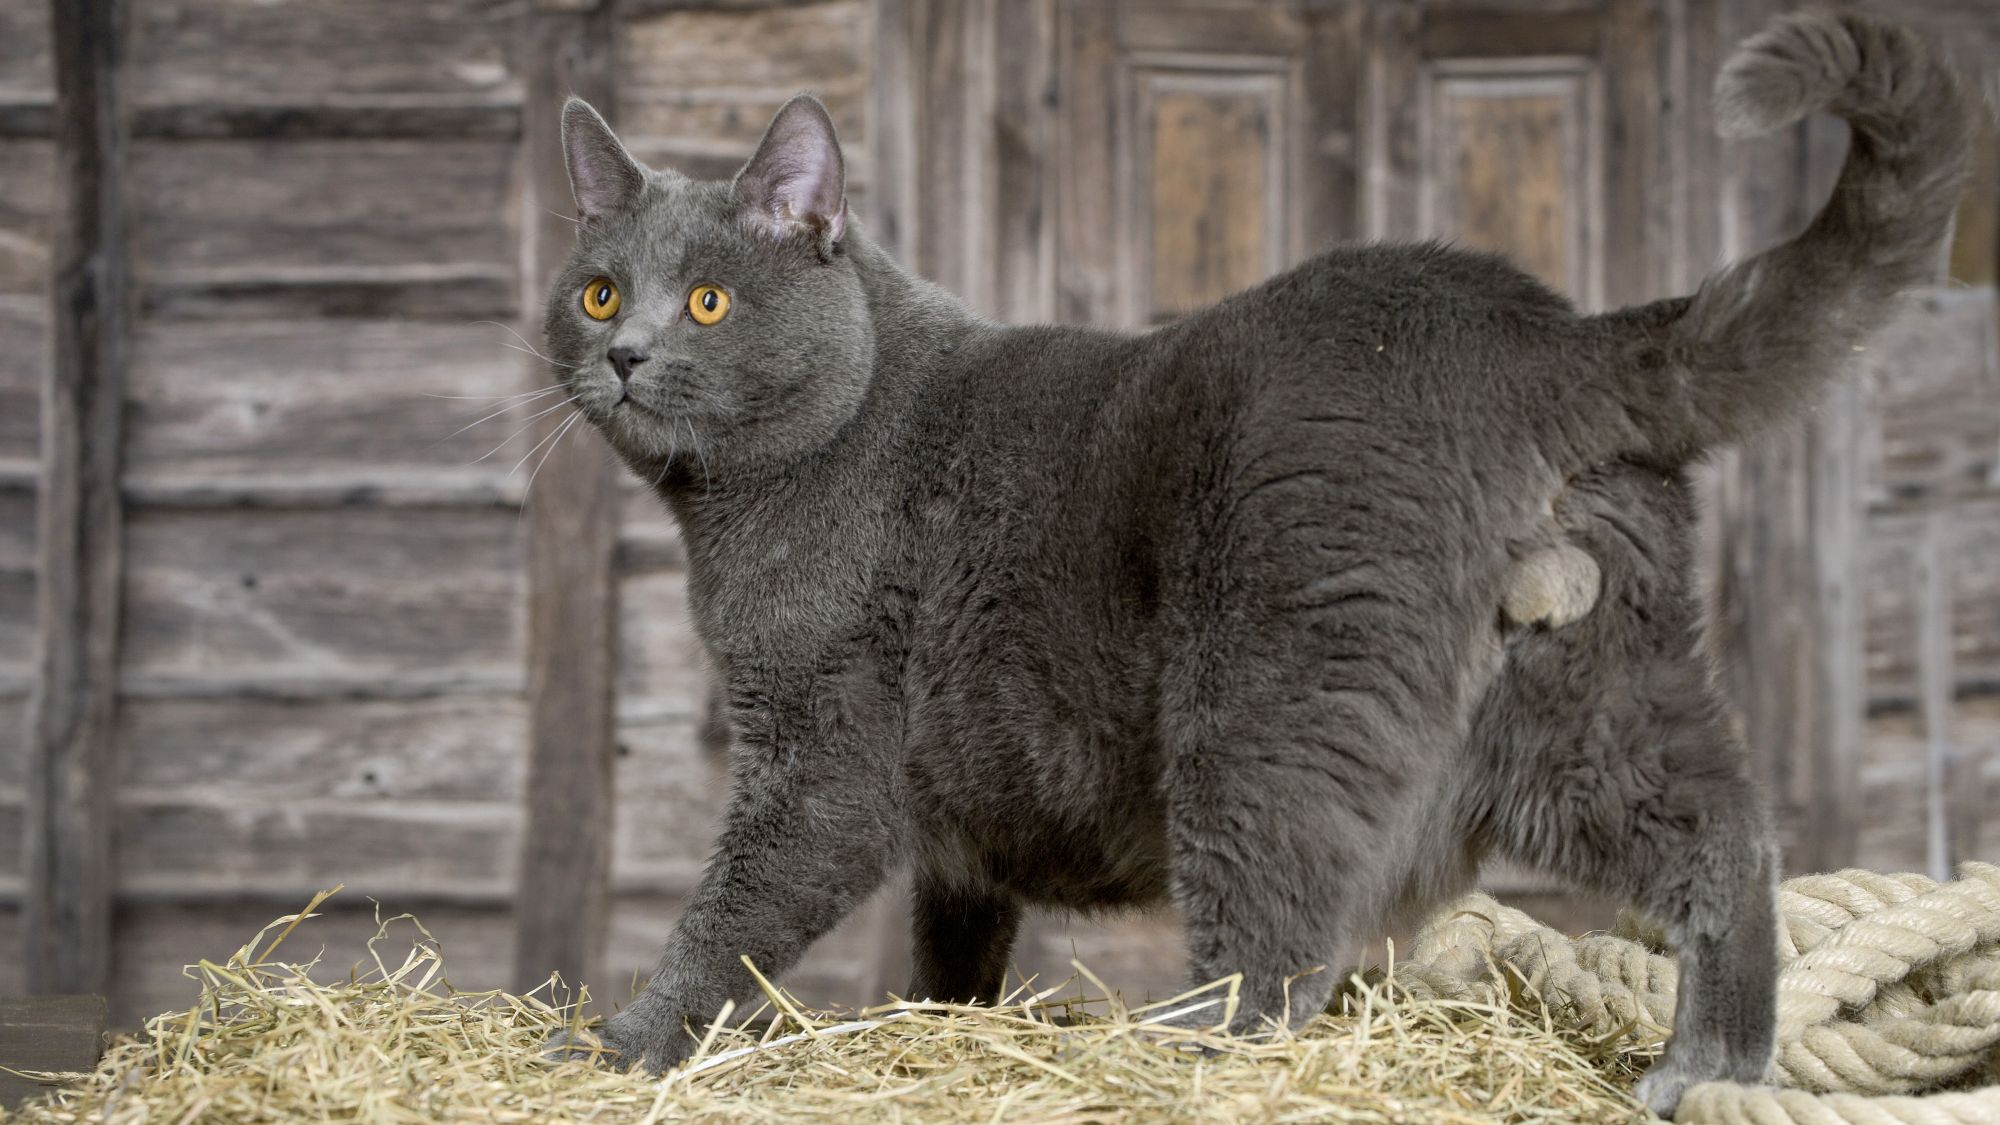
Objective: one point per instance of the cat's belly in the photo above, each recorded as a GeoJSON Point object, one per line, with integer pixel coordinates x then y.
{"type": "Point", "coordinates": [1058, 814]}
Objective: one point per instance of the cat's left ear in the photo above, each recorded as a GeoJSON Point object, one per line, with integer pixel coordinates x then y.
{"type": "Point", "coordinates": [797, 181]}
{"type": "Point", "coordinates": [602, 176]}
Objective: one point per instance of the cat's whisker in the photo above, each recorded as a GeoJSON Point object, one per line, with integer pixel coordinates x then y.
{"type": "Point", "coordinates": [527, 345]}
{"type": "Point", "coordinates": [529, 489]}
{"type": "Point", "coordinates": [490, 417]}
{"type": "Point", "coordinates": [540, 356]}
{"type": "Point", "coordinates": [553, 434]}
{"type": "Point", "coordinates": [496, 398]}
{"type": "Point", "coordinates": [700, 454]}
{"type": "Point", "coordinates": [525, 426]}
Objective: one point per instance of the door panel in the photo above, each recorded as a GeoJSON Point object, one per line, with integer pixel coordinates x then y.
{"type": "Point", "coordinates": [1537, 130]}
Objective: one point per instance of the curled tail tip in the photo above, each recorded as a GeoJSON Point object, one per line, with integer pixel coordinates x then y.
{"type": "Point", "coordinates": [1834, 60]}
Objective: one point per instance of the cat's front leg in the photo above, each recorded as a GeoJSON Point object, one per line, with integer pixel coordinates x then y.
{"type": "Point", "coordinates": [806, 839]}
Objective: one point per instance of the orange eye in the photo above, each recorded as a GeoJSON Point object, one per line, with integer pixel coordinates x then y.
{"type": "Point", "coordinates": [708, 304]}
{"type": "Point", "coordinates": [600, 299]}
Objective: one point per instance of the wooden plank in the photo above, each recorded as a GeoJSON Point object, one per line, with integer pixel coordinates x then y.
{"type": "Point", "coordinates": [1891, 560]}
{"type": "Point", "coordinates": [1935, 680]}
{"type": "Point", "coordinates": [1211, 169]}
{"type": "Point", "coordinates": [445, 117]}
{"type": "Point", "coordinates": [26, 49]}
{"type": "Point", "coordinates": [572, 541]}
{"type": "Point", "coordinates": [422, 488]}
{"type": "Point", "coordinates": [388, 401]}
{"type": "Point", "coordinates": [273, 205]}
{"type": "Point", "coordinates": [47, 1033]}
{"type": "Point", "coordinates": [1837, 685]}
{"type": "Point", "coordinates": [235, 53]}
{"type": "Point", "coordinates": [238, 595]}
{"type": "Point", "coordinates": [17, 582]}
{"type": "Point", "coordinates": [1024, 256]}
{"type": "Point", "coordinates": [209, 840]}
{"type": "Point", "coordinates": [71, 766]}
{"type": "Point", "coordinates": [453, 747]}
{"type": "Point", "coordinates": [1088, 287]}
{"type": "Point", "coordinates": [453, 291]}
{"type": "Point", "coordinates": [1513, 169]}
{"type": "Point", "coordinates": [27, 205]}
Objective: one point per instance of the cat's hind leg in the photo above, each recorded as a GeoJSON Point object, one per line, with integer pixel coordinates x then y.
{"type": "Point", "coordinates": [1292, 777]}
{"type": "Point", "coordinates": [1605, 757]}
{"type": "Point", "coordinates": [961, 937]}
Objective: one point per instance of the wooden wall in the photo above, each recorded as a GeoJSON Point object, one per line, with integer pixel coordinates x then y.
{"type": "Point", "coordinates": [336, 215]}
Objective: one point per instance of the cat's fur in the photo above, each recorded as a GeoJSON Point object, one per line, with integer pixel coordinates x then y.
{"type": "Point", "coordinates": [1070, 618]}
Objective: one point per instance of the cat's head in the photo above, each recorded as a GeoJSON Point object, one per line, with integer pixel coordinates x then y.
{"type": "Point", "coordinates": [715, 319]}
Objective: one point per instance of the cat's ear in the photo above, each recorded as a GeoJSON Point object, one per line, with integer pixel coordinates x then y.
{"type": "Point", "coordinates": [797, 181]}
{"type": "Point", "coordinates": [602, 175]}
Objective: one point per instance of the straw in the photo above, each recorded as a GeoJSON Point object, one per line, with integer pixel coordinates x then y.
{"type": "Point", "coordinates": [391, 1041]}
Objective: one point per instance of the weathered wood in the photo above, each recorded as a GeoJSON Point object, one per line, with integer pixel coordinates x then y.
{"type": "Point", "coordinates": [1837, 687]}
{"type": "Point", "coordinates": [459, 746]}
{"type": "Point", "coordinates": [409, 488]}
{"type": "Point", "coordinates": [572, 541]}
{"type": "Point", "coordinates": [1935, 680]}
{"type": "Point", "coordinates": [473, 291]}
{"type": "Point", "coordinates": [71, 750]}
{"type": "Point", "coordinates": [48, 1033]}
{"type": "Point", "coordinates": [262, 594]}
{"type": "Point", "coordinates": [231, 53]}
{"type": "Point", "coordinates": [441, 117]}
{"type": "Point", "coordinates": [1211, 195]}
{"type": "Point", "coordinates": [1516, 171]}
{"type": "Point", "coordinates": [288, 406]}
{"type": "Point", "coordinates": [194, 842]}
{"type": "Point", "coordinates": [304, 205]}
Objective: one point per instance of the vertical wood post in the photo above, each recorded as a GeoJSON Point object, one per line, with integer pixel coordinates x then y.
{"type": "Point", "coordinates": [572, 514]}
{"type": "Point", "coordinates": [70, 773]}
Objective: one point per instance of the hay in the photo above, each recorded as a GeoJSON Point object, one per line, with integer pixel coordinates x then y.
{"type": "Point", "coordinates": [391, 1041]}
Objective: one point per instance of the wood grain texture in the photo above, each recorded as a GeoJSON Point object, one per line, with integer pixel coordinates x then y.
{"type": "Point", "coordinates": [272, 205]}
{"type": "Point", "coordinates": [71, 763]}
{"type": "Point", "coordinates": [190, 844]}
{"type": "Point", "coordinates": [18, 562]}
{"type": "Point", "coordinates": [27, 186]}
{"type": "Point", "coordinates": [26, 50]}
{"type": "Point", "coordinates": [1211, 171]}
{"type": "Point", "coordinates": [1513, 169]}
{"type": "Point", "coordinates": [248, 595]}
{"type": "Point", "coordinates": [711, 79]}
{"type": "Point", "coordinates": [253, 398]}
{"type": "Point", "coordinates": [448, 748]}
{"type": "Point", "coordinates": [234, 53]}
{"type": "Point", "coordinates": [565, 844]}
{"type": "Point", "coordinates": [63, 1033]}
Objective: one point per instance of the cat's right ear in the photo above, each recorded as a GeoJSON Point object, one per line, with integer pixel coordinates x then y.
{"type": "Point", "coordinates": [603, 177]}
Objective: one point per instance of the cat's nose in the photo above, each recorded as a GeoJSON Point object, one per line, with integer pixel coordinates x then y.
{"type": "Point", "coordinates": [623, 360]}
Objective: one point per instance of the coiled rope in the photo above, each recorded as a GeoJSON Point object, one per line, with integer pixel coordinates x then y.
{"type": "Point", "coordinates": [1890, 989]}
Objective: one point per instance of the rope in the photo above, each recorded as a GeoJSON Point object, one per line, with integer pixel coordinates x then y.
{"type": "Point", "coordinates": [1889, 988]}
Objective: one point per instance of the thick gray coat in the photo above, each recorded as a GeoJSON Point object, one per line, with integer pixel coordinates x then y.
{"type": "Point", "coordinates": [1069, 618]}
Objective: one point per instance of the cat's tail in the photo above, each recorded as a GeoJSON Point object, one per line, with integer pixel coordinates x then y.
{"type": "Point", "coordinates": [1758, 338]}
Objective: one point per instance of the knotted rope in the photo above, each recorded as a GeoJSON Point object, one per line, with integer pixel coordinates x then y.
{"type": "Point", "coordinates": [1890, 987]}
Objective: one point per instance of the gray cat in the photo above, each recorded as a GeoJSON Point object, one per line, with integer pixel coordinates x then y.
{"type": "Point", "coordinates": [1070, 618]}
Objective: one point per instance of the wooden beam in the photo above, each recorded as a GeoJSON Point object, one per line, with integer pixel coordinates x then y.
{"type": "Point", "coordinates": [70, 773]}
{"type": "Point", "coordinates": [572, 518]}
{"type": "Point", "coordinates": [53, 1033]}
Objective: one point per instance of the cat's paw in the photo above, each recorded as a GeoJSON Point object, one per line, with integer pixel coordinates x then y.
{"type": "Point", "coordinates": [593, 1046]}
{"type": "Point", "coordinates": [1662, 1087]}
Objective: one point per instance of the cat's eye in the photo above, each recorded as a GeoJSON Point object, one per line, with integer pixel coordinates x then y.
{"type": "Point", "coordinates": [600, 299]}
{"type": "Point", "coordinates": [708, 304]}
